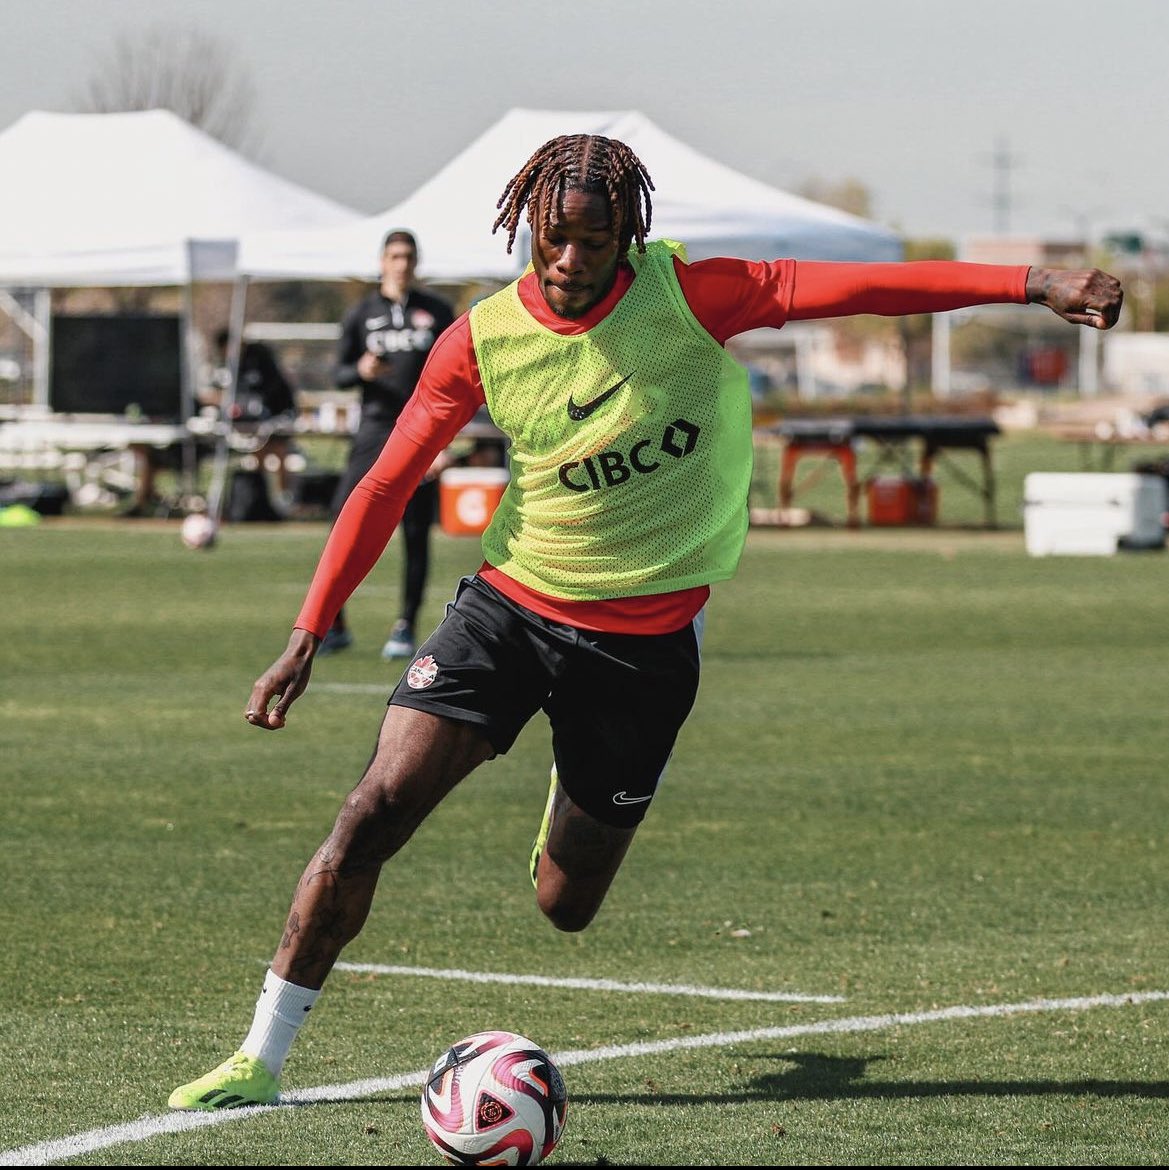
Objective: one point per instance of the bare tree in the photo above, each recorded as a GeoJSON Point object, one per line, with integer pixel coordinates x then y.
{"type": "Point", "coordinates": [183, 69]}
{"type": "Point", "coordinates": [849, 195]}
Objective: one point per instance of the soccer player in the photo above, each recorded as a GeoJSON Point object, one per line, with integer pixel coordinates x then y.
{"type": "Point", "coordinates": [630, 430]}
{"type": "Point", "coordinates": [385, 340]}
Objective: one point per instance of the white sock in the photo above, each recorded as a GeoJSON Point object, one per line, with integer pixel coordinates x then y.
{"type": "Point", "coordinates": [280, 1011]}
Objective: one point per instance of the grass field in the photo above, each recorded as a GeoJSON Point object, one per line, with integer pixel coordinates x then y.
{"type": "Point", "coordinates": [902, 899]}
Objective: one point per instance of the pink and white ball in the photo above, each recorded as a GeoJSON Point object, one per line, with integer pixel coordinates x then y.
{"type": "Point", "coordinates": [494, 1099]}
{"type": "Point", "coordinates": [198, 530]}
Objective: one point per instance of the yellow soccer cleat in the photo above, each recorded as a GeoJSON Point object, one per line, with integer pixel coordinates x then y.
{"type": "Point", "coordinates": [542, 836]}
{"type": "Point", "coordinates": [240, 1080]}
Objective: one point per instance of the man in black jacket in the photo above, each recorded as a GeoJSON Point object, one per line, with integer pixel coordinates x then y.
{"type": "Point", "coordinates": [385, 340]}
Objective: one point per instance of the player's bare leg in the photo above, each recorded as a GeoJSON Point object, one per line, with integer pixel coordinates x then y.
{"type": "Point", "coordinates": [577, 864]}
{"type": "Point", "coordinates": [419, 759]}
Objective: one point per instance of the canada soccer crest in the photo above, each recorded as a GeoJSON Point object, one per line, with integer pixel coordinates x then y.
{"type": "Point", "coordinates": [423, 671]}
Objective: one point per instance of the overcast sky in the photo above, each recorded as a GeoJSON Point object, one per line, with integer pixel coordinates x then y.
{"type": "Point", "coordinates": [362, 100]}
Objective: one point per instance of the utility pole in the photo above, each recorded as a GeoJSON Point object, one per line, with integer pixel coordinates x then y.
{"type": "Point", "coordinates": [1003, 161]}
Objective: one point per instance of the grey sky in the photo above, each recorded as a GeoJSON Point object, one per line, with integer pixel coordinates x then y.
{"type": "Point", "coordinates": [362, 100]}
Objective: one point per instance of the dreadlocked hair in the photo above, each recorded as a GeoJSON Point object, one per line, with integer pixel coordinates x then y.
{"type": "Point", "coordinates": [588, 163]}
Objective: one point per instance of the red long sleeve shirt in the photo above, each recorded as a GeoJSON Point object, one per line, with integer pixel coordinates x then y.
{"type": "Point", "coordinates": [727, 297]}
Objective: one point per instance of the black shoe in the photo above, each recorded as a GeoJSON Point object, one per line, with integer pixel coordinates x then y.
{"type": "Point", "coordinates": [400, 643]}
{"type": "Point", "coordinates": [333, 641]}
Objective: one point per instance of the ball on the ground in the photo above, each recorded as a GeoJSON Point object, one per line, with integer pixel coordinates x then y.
{"type": "Point", "coordinates": [198, 530]}
{"type": "Point", "coordinates": [494, 1099]}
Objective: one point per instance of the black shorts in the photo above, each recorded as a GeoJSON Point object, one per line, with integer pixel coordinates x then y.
{"type": "Point", "coordinates": [615, 702]}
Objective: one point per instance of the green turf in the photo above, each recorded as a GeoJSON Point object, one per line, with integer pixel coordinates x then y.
{"type": "Point", "coordinates": [924, 772]}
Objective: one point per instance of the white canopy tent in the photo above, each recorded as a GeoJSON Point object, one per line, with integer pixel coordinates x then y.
{"type": "Point", "coordinates": [711, 208]}
{"type": "Point", "coordinates": [130, 199]}
{"type": "Point", "coordinates": [142, 198]}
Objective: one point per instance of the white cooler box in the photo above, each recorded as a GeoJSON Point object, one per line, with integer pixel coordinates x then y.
{"type": "Point", "coordinates": [1093, 513]}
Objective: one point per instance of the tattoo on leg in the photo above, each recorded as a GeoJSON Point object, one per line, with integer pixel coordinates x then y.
{"type": "Point", "coordinates": [594, 847]}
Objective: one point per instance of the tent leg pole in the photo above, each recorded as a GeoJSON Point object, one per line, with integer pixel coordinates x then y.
{"type": "Point", "coordinates": [187, 378]}
{"type": "Point", "coordinates": [221, 467]}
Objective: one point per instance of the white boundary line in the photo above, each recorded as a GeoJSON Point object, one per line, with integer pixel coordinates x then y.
{"type": "Point", "coordinates": [338, 688]}
{"type": "Point", "coordinates": [75, 1145]}
{"type": "Point", "coordinates": [590, 984]}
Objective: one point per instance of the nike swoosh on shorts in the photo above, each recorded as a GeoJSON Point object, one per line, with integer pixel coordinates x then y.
{"type": "Point", "coordinates": [622, 798]}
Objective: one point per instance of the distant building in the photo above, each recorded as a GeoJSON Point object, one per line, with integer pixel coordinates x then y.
{"type": "Point", "coordinates": [815, 361]}
{"type": "Point", "coordinates": [1025, 250]}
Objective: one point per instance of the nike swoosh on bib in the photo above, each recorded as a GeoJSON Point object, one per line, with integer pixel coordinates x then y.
{"type": "Point", "coordinates": [580, 413]}
{"type": "Point", "coordinates": [622, 798]}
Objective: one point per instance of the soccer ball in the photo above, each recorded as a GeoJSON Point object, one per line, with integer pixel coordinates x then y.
{"type": "Point", "coordinates": [198, 530]}
{"type": "Point", "coordinates": [494, 1099]}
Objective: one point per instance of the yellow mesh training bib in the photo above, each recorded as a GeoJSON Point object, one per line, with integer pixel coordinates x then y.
{"type": "Point", "coordinates": [630, 444]}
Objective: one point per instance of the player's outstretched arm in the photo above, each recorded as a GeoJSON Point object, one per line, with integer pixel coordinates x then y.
{"type": "Point", "coordinates": [1083, 296]}
{"type": "Point", "coordinates": [285, 681]}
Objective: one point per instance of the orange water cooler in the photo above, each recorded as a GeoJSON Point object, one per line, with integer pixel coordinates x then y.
{"type": "Point", "coordinates": [902, 500]}
{"type": "Point", "coordinates": [468, 497]}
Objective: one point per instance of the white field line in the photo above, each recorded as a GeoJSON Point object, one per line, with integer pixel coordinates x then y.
{"type": "Point", "coordinates": [76, 1145]}
{"type": "Point", "coordinates": [590, 984]}
{"type": "Point", "coordinates": [357, 688]}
